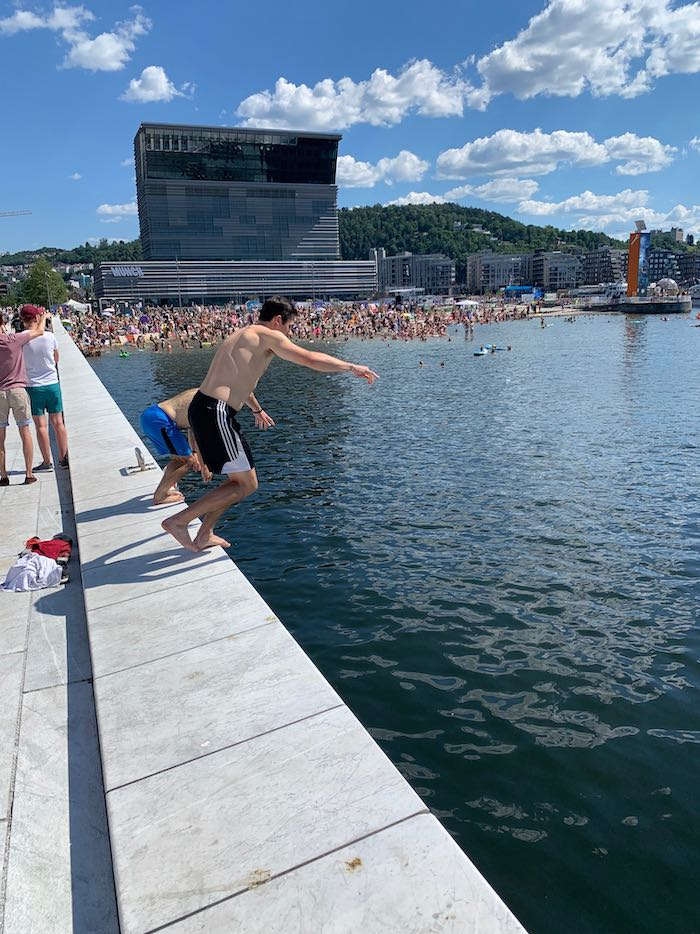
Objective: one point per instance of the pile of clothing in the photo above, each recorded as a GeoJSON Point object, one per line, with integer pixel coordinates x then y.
{"type": "Point", "coordinates": [41, 564]}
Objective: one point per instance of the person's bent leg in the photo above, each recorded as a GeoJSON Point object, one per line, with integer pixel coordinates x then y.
{"type": "Point", "coordinates": [174, 472]}
{"type": "Point", "coordinates": [247, 482]}
{"type": "Point", "coordinates": [59, 430]}
{"type": "Point", "coordinates": [235, 488]}
{"type": "Point", "coordinates": [27, 450]}
{"type": "Point", "coordinates": [42, 436]}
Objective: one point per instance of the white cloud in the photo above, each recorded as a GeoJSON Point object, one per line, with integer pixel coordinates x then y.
{"type": "Point", "coordinates": [154, 85]}
{"type": "Point", "coordinates": [108, 51]}
{"type": "Point", "coordinates": [127, 162]}
{"type": "Point", "coordinates": [695, 143]}
{"type": "Point", "coordinates": [615, 213]}
{"type": "Point", "coordinates": [502, 189]}
{"type": "Point", "coordinates": [603, 46]}
{"type": "Point", "coordinates": [21, 21]}
{"type": "Point", "coordinates": [621, 203]}
{"type": "Point", "coordinates": [75, 177]}
{"type": "Point", "coordinates": [382, 100]}
{"type": "Point", "coordinates": [638, 154]}
{"type": "Point", "coordinates": [419, 197]}
{"type": "Point", "coordinates": [113, 213]}
{"type": "Point", "coordinates": [406, 167]}
{"type": "Point", "coordinates": [512, 153]}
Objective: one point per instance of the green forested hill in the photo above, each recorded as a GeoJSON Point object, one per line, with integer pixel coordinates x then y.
{"type": "Point", "coordinates": [103, 252]}
{"type": "Point", "coordinates": [447, 228]}
{"type": "Point", "coordinates": [428, 228]}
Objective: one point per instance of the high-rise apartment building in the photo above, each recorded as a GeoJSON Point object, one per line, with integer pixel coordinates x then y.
{"type": "Point", "coordinates": [488, 272]}
{"type": "Point", "coordinates": [662, 264]}
{"type": "Point", "coordinates": [556, 270]}
{"type": "Point", "coordinates": [688, 267]}
{"type": "Point", "coordinates": [430, 272]}
{"type": "Point", "coordinates": [604, 265]}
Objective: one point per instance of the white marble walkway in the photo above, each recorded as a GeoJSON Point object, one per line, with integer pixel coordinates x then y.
{"type": "Point", "coordinates": [54, 848]}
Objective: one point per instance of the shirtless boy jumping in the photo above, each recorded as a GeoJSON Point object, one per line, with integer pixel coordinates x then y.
{"type": "Point", "coordinates": [233, 375]}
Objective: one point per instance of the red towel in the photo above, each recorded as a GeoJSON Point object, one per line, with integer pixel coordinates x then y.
{"type": "Point", "coordinates": [55, 548]}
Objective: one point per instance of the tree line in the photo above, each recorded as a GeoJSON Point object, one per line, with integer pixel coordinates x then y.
{"type": "Point", "coordinates": [428, 228]}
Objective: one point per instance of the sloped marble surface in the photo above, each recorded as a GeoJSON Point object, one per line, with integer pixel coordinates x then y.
{"type": "Point", "coordinates": [162, 623]}
{"type": "Point", "coordinates": [178, 708]}
{"type": "Point", "coordinates": [10, 686]}
{"type": "Point", "coordinates": [59, 870]}
{"type": "Point", "coordinates": [190, 836]}
{"type": "Point", "coordinates": [14, 619]}
{"type": "Point", "coordinates": [138, 560]}
{"type": "Point", "coordinates": [403, 879]}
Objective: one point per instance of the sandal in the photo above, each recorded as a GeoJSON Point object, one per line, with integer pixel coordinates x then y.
{"type": "Point", "coordinates": [28, 480]}
{"type": "Point", "coordinates": [4, 481]}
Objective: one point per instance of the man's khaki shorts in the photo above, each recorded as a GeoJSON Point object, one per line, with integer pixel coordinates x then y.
{"type": "Point", "coordinates": [17, 402]}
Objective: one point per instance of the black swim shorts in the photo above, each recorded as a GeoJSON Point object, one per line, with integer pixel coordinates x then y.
{"type": "Point", "coordinates": [218, 434]}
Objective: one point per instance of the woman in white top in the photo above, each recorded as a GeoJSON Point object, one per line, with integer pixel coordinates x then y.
{"type": "Point", "coordinates": [40, 361]}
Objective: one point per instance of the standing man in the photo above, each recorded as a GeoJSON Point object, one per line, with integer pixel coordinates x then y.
{"type": "Point", "coordinates": [233, 375]}
{"type": "Point", "coordinates": [13, 395]}
{"type": "Point", "coordinates": [41, 362]}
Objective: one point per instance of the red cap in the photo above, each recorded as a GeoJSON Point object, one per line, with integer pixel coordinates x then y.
{"type": "Point", "coordinates": [31, 311]}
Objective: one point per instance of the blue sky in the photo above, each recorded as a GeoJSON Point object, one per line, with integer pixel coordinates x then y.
{"type": "Point", "coordinates": [577, 113]}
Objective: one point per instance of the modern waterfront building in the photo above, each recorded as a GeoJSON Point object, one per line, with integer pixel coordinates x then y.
{"type": "Point", "coordinates": [228, 212]}
{"type": "Point", "coordinates": [431, 272]}
{"type": "Point", "coordinates": [604, 265]}
{"type": "Point", "coordinates": [662, 264]}
{"type": "Point", "coordinates": [688, 267]}
{"type": "Point", "coordinates": [556, 270]}
{"type": "Point", "coordinates": [181, 283]}
{"type": "Point", "coordinates": [488, 272]}
{"type": "Point", "coordinates": [219, 193]}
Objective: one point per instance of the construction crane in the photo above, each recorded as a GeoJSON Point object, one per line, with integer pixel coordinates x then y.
{"type": "Point", "coordinates": [13, 213]}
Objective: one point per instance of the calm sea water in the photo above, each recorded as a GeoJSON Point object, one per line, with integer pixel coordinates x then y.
{"type": "Point", "coordinates": [496, 563]}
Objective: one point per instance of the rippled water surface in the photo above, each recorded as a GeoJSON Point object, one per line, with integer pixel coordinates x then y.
{"type": "Point", "coordinates": [495, 562]}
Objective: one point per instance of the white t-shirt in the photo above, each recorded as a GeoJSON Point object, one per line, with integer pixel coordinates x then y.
{"type": "Point", "coordinates": [39, 361]}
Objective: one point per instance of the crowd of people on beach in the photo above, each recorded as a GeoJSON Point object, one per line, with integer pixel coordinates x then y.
{"type": "Point", "coordinates": [164, 329]}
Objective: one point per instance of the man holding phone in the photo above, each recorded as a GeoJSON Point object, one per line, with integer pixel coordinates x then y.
{"type": "Point", "coordinates": [13, 393]}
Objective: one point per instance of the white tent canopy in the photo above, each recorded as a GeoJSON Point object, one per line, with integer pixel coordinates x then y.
{"type": "Point", "coordinates": [469, 302]}
{"type": "Point", "coordinates": [76, 306]}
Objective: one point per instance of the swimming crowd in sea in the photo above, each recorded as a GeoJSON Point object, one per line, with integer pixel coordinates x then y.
{"type": "Point", "coordinates": [164, 329]}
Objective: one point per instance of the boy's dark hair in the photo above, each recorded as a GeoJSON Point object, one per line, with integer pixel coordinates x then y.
{"type": "Point", "coordinates": [277, 305]}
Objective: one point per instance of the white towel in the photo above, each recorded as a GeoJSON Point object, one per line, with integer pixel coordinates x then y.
{"type": "Point", "coordinates": [32, 572]}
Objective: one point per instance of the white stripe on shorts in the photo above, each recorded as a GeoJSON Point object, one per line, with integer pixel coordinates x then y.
{"type": "Point", "coordinates": [238, 461]}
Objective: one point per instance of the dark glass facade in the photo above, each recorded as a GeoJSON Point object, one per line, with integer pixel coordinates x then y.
{"type": "Point", "coordinates": [234, 194]}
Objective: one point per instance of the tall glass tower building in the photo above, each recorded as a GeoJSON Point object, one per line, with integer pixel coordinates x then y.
{"type": "Point", "coordinates": [213, 193]}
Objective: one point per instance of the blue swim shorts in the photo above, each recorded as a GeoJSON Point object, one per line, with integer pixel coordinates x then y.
{"type": "Point", "coordinates": [163, 433]}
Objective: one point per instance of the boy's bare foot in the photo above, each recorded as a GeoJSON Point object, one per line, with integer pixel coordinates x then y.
{"type": "Point", "coordinates": [179, 533]}
{"type": "Point", "coordinates": [172, 497]}
{"type": "Point", "coordinates": [210, 541]}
